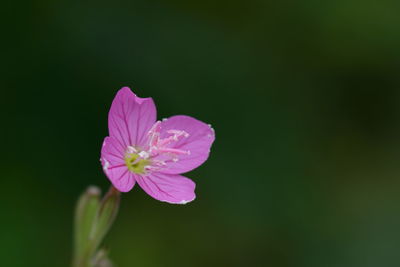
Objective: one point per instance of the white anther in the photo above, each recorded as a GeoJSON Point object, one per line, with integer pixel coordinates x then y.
{"type": "Point", "coordinates": [175, 159]}
{"type": "Point", "coordinates": [151, 168]}
{"type": "Point", "coordinates": [159, 162]}
{"type": "Point", "coordinates": [144, 154]}
{"type": "Point", "coordinates": [131, 149]}
{"type": "Point", "coordinates": [155, 127]}
{"type": "Point", "coordinates": [177, 134]}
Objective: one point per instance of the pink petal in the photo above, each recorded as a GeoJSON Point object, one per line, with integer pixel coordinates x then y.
{"type": "Point", "coordinates": [175, 189]}
{"type": "Point", "coordinates": [121, 178]}
{"type": "Point", "coordinates": [130, 118]}
{"type": "Point", "coordinates": [201, 137]}
{"type": "Point", "coordinates": [112, 160]}
{"type": "Point", "coordinates": [112, 151]}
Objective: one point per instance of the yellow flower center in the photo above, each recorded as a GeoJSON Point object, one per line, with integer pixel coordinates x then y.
{"type": "Point", "coordinates": [135, 163]}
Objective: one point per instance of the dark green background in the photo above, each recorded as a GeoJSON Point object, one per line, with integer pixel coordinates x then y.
{"type": "Point", "coordinates": [304, 97]}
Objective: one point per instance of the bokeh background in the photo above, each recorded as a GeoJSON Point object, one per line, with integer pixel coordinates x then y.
{"type": "Point", "coordinates": [304, 97]}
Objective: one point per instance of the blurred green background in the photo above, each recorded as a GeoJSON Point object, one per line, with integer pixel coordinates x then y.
{"type": "Point", "coordinates": [304, 97]}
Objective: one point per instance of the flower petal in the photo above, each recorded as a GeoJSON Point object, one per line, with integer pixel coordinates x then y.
{"type": "Point", "coordinates": [130, 118]}
{"type": "Point", "coordinates": [201, 136]}
{"type": "Point", "coordinates": [112, 160]}
{"type": "Point", "coordinates": [112, 151]}
{"type": "Point", "coordinates": [121, 178]}
{"type": "Point", "coordinates": [175, 189]}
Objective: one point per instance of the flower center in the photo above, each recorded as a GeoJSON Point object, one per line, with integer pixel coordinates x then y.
{"type": "Point", "coordinates": [158, 152]}
{"type": "Point", "coordinates": [136, 163]}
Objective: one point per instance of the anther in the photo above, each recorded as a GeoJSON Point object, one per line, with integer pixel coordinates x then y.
{"type": "Point", "coordinates": [174, 151]}
{"type": "Point", "coordinates": [143, 154]}
{"type": "Point", "coordinates": [131, 149]}
{"type": "Point", "coordinates": [155, 128]}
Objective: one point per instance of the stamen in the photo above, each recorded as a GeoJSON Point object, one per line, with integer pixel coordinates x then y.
{"type": "Point", "coordinates": [152, 148]}
{"type": "Point", "coordinates": [178, 133]}
{"type": "Point", "coordinates": [144, 155]}
{"type": "Point", "coordinates": [155, 128]}
{"type": "Point", "coordinates": [159, 162]}
{"type": "Point", "coordinates": [159, 146]}
{"type": "Point", "coordinates": [151, 168]}
{"type": "Point", "coordinates": [131, 149]}
{"type": "Point", "coordinates": [167, 141]}
{"type": "Point", "coordinates": [174, 151]}
{"type": "Point", "coordinates": [154, 133]}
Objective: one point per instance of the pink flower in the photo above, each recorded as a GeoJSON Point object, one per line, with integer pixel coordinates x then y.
{"type": "Point", "coordinates": [153, 153]}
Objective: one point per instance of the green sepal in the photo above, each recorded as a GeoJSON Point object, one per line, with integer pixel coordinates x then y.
{"type": "Point", "coordinates": [105, 217]}
{"type": "Point", "coordinates": [93, 219]}
{"type": "Point", "coordinates": [85, 217]}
